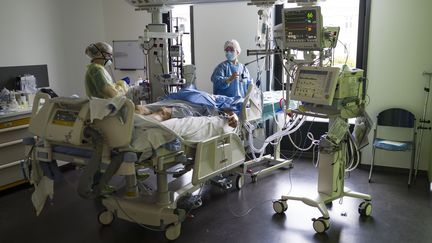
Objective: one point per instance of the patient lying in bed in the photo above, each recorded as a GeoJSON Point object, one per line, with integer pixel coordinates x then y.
{"type": "Point", "coordinates": [165, 113]}
{"type": "Point", "coordinates": [190, 114]}
{"type": "Point", "coordinates": [191, 102]}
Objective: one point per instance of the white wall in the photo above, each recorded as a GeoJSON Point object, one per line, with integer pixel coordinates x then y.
{"type": "Point", "coordinates": [122, 22]}
{"type": "Point", "coordinates": [82, 24]}
{"type": "Point", "coordinates": [50, 32]}
{"type": "Point", "coordinates": [29, 35]}
{"type": "Point", "coordinates": [400, 50]}
{"type": "Point", "coordinates": [213, 25]}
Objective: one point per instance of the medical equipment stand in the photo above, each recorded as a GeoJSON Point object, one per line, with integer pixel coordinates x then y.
{"type": "Point", "coordinates": [423, 121]}
{"type": "Point", "coordinates": [273, 162]}
{"type": "Point", "coordinates": [331, 175]}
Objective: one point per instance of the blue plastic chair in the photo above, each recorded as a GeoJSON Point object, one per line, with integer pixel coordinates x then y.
{"type": "Point", "coordinates": [395, 117]}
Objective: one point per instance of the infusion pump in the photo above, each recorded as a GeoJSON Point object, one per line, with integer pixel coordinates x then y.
{"type": "Point", "coordinates": [329, 87]}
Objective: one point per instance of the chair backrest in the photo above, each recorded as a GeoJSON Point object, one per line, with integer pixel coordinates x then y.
{"type": "Point", "coordinates": [395, 124]}
{"type": "Point", "coordinates": [396, 117]}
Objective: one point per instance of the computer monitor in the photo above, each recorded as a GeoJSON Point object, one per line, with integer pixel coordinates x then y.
{"type": "Point", "coordinates": [303, 28]}
{"type": "Point", "coordinates": [315, 85]}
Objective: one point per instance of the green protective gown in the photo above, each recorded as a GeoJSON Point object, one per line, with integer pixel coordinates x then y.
{"type": "Point", "coordinates": [96, 78]}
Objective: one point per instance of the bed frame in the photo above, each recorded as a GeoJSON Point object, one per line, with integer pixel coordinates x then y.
{"type": "Point", "coordinates": [102, 147]}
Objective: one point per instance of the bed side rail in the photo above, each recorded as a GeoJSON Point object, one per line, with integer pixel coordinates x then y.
{"type": "Point", "coordinates": [216, 155]}
{"type": "Point", "coordinates": [117, 130]}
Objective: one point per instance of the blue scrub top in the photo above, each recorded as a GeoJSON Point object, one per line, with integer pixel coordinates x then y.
{"type": "Point", "coordinates": [237, 87]}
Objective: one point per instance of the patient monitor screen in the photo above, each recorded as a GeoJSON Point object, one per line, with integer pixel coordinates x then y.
{"type": "Point", "coordinates": [303, 27]}
{"type": "Point", "coordinates": [315, 85]}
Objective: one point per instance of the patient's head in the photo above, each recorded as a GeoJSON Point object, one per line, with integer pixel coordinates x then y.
{"type": "Point", "coordinates": [142, 110]}
{"type": "Point", "coordinates": [162, 114]}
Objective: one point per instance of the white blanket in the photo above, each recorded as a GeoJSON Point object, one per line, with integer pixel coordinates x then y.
{"type": "Point", "coordinates": [100, 108]}
{"type": "Point", "coordinates": [149, 134]}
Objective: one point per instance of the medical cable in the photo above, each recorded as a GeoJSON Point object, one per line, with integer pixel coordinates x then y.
{"type": "Point", "coordinates": [199, 195]}
{"type": "Point", "coordinates": [351, 168]}
{"type": "Point", "coordinates": [314, 144]}
{"type": "Point", "coordinates": [349, 154]}
{"type": "Point", "coordinates": [249, 127]}
{"type": "Point", "coordinates": [313, 156]}
{"type": "Point", "coordinates": [310, 136]}
{"type": "Point", "coordinates": [346, 51]}
{"type": "Point", "coordinates": [28, 163]}
{"type": "Point", "coordinates": [248, 211]}
{"type": "Point", "coordinates": [279, 123]}
{"type": "Point", "coordinates": [160, 62]}
{"type": "Point", "coordinates": [148, 44]}
{"type": "Point", "coordinates": [273, 109]}
{"type": "Point", "coordinates": [259, 69]}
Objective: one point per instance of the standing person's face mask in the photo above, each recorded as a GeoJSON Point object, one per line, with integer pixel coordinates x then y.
{"type": "Point", "coordinates": [230, 56]}
{"type": "Point", "coordinates": [108, 62]}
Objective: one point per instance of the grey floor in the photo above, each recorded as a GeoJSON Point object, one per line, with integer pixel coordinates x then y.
{"type": "Point", "coordinates": [400, 214]}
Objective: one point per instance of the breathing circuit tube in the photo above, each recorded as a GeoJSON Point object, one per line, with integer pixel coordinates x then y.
{"type": "Point", "coordinates": [293, 127]}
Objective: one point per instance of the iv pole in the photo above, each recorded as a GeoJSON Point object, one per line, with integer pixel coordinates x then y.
{"type": "Point", "coordinates": [423, 121]}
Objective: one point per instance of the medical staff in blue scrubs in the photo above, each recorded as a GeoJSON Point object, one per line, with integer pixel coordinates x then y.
{"type": "Point", "coordinates": [231, 78]}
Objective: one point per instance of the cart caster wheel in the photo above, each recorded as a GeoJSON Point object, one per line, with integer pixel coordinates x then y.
{"type": "Point", "coordinates": [280, 206]}
{"type": "Point", "coordinates": [365, 209]}
{"type": "Point", "coordinates": [240, 182]}
{"type": "Point", "coordinates": [321, 224]}
{"type": "Point", "coordinates": [173, 231]}
{"type": "Point", "coordinates": [254, 179]}
{"type": "Point", "coordinates": [106, 218]}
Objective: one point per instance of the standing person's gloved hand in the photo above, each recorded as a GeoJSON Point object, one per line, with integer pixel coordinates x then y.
{"type": "Point", "coordinates": [232, 77]}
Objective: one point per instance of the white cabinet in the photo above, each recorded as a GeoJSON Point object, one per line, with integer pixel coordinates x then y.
{"type": "Point", "coordinates": [13, 128]}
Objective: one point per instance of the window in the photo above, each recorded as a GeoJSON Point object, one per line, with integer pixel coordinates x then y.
{"type": "Point", "coordinates": [344, 14]}
{"type": "Point", "coordinates": [181, 19]}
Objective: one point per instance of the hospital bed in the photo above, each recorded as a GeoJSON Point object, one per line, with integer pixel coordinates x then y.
{"type": "Point", "coordinates": [64, 130]}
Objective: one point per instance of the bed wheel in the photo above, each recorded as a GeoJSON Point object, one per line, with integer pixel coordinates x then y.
{"type": "Point", "coordinates": [321, 224]}
{"type": "Point", "coordinates": [280, 206]}
{"type": "Point", "coordinates": [240, 182]}
{"type": "Point", "coordinates": [105, 218]}
{"type": "Point", "coordinates": [173, 231]}
{"type": "Point", "coordinates": [365, 209]}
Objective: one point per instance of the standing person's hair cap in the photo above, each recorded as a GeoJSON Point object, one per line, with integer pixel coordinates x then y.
{"type": "Point", "coordinates": [99, 50]}
{"type": "Point", "coordinates": [232, 44]}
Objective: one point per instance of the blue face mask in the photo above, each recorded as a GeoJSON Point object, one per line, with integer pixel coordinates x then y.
{"type": "Point", "coordinates": [230, 56]}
